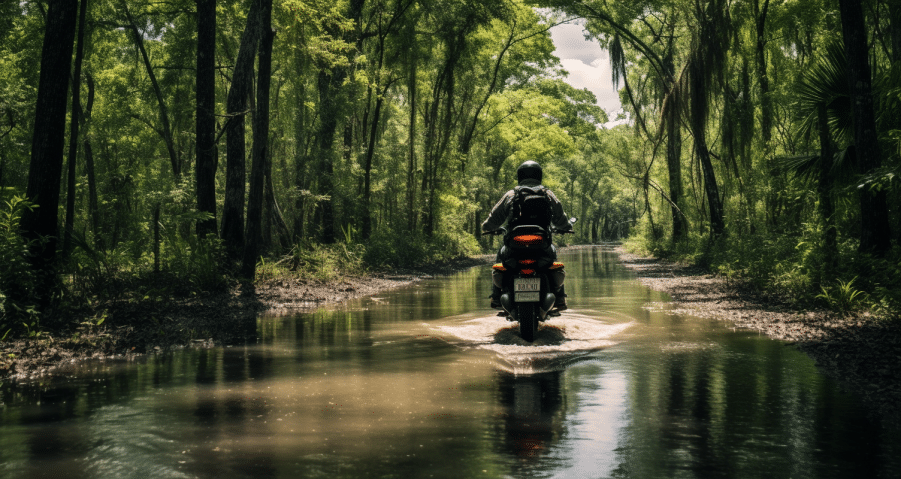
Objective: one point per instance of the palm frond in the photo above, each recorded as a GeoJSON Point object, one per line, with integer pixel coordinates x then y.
{"type": "Point", "coordinates": [804, 167]}
{"type": "Point", "coordinates": [826, 83]}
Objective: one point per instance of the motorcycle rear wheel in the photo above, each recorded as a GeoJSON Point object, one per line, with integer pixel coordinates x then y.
{"type": "Point", "coordinates": [527, 313]}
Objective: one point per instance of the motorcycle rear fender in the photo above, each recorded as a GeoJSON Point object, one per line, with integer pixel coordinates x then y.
{"type": "Point", "coordinates": [528, 230]}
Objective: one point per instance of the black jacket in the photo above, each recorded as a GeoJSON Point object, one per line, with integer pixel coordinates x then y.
{"type": "Point", "coordinates": [503, 209]}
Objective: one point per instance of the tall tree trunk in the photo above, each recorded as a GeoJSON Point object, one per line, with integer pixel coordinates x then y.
{"type": "Point", "coordinates": [711, 190]}
{"type": "Point", "coordinates": [205, 164]}
{"type": "Point", "coordinates": [874, 231]}
{"type": "Point", "coordinates": [260, 143]}
{"type": "Point", "coordinates": [673, 146]}
{"type": "Point", "coordinates": [165, 130]}
{"type": "Point", "coordinates": [325, 138]}
{"type": "Point", "coordinates": [268, 212]}
{"type": "Point", "coordinates": [156, 238]}
{"type": "Point", "coordinates": [45, 170]}
{"type": "Point", "coordinates": [367, 170]}
{"type": "Point", "coordinates": [73, 130]}
{"type": "Point", "coordinates": [469, 133]}
{"type": "Point", "coordinates": [89, 162]}
{"type": "Point", "coordinates": [301, 182]}
{"type": "Point", "coordinates": [92, 189]}
{"type": "Point", "coordinates": [766, 108]}
{"type": "Point", "coordinates": [674, 167]}
{"type": "Point", "coordinates": [894, 9]}
{"type": "Point", "coordinates": [329, 106]}
{"type": "Point", "coordinates": [411, 142]}
{"type": "Point", "coordinates": [824, 187]}
{"type": "Point", "coordinates": [236, 106]}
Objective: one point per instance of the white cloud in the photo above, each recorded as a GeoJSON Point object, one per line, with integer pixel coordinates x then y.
{"type": "Point", "coordinates": [588, 65]}
{"type": "Point", "coordinates": [570, 43]}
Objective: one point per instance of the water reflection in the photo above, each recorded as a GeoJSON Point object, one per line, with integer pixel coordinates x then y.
{"type": "Point", "coordinates": [533, 418]}
{"type": "Point", "coordinates": [421, 382]}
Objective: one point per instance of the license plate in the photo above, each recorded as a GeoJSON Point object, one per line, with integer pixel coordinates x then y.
{"type": "Point", "coordinates": [526, 297]}
{"type": "Point", "coordinates": [526, 289]}
{"type": "Point", "coordinates": [526, 284]}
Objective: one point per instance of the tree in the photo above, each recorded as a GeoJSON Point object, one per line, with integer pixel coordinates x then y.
{"type": "Point", "coordinates": [205, 164]}
{"type": "Point", "coordinates": [236, 107]}
{"type": "Point", "coordinates": [874, 225]}
{"type": "Point", "coordinates": [260, 144]}
{"type": "Point", "coordinates": [165, 127]}
{"type": "Point", "coordinates": [73, 130]}
{"type": "Point", "coordinates": [45, 171]}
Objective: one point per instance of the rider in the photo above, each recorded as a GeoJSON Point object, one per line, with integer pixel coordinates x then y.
{"type": "Point", "coordinates": [528, 174]}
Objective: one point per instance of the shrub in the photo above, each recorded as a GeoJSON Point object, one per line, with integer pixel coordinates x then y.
{"type": "Point", "coordinates": [18, 278]}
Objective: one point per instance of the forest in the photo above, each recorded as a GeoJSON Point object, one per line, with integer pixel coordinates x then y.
{"type": "Point", "coordinates": [168, 148]}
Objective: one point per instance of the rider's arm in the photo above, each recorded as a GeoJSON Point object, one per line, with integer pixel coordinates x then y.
{"type": "Point", "coordinates": [561, 221]}
{"type": "Point", "coordinates": [499, 213]}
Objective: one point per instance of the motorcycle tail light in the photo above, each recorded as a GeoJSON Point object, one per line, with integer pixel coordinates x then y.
{"type": "Point", "coordinates": [527, 271]}
{"type": "Point", "coordinates": [527, 261]}
{"type": "Point", "coordinates": [529, 239]}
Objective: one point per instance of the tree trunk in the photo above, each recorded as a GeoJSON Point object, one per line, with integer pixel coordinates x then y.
{"type": "Point", "coordinates": [824, 188]}
{"type": "Point", "coordinates": [329, 106]}
{"type": "Point", "coordinates": [236, 106]}
{"type": "Point", "coordinates": [73, 130]}
{"type": "Point", "coordinates": [469, 133]}
{"type": "Point", "coordinates": [205, 164]}
{"type": "Point", "coordinates": [325, 139]}
{"type": "Point", "coordinates": [766, 108]}
{"type": "Point", "coordinates": [367, 169]}
{"type": "Point", "coordinates": [266, 221]}
{"type": "Point", "coordinates": [717, 225]}
{"type": "Point", "coordinates": [260, 143]}
{"type": "Point", "coordinates": [48, 142]}
{"type": "Point", "coordinates": [166, 129]}
{"type": "Point", "coordinates": [411, 152]}
{"type": "Point", "coordinates": [674, 167]}
{"type": "Point", "coordinates": [83, 117]}
{"type": "Point", "coordinates": [156, 238]}
{"type": "Point", "coordinates": [894, 8]}
{"type": "Point", "coordinates": [874, 232]}
{"type": "Point", "coordinates": [301, 182]}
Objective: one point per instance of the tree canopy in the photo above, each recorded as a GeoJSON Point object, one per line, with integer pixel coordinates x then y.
{"type": "Point", "coordinates": [207, 132]}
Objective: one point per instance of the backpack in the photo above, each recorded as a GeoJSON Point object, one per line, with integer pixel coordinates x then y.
{"type": "Point", "coordinates": [531, 206]}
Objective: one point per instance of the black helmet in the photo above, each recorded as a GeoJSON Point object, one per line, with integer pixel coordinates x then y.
{"type": "Point", "coordinates": [529, 169]}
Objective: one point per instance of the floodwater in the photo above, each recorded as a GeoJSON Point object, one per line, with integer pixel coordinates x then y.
{"type": "Point", "coordinates": [427, 382]}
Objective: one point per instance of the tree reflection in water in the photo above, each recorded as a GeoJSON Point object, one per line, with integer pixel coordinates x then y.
{"type": "Point", "coordinates": [532, 415]}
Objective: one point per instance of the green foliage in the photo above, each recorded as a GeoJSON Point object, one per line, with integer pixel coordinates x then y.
{"type": "Point", "coordinates": [314, 261]}
{"type": "Point", "coordinates": [327, 261]}
{"type": "Point", "coordinates": [842, 297]}
{"type": "Point", "coordinates": [18, 277]}
{"type": "Point", "coordinates": [400, 125]}
{"type": "Point", "coordinates": [388, 249]}
{"type": "Point", "coordinates": [197, 265]}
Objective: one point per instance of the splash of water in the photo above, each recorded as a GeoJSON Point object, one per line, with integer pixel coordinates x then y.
{"type": "Point", "coordinates": [560, 342]}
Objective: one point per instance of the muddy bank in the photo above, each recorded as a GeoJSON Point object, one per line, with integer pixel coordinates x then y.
{"type": "Point", "coordinates": [132, 327]}
{"type": "Point", "coordinates": [862, 352]}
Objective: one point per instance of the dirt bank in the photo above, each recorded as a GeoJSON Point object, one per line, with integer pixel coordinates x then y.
{"type": "Point", "coordinates": [131, 327]}
{"type": "Point", "coordinates": [862, 352]}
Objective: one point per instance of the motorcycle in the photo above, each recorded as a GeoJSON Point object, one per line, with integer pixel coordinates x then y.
{"type": "Point", "coordinates": [523, 276]}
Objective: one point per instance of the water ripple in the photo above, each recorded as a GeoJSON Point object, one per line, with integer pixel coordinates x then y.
{"type": "Point", "coordinates": [560, 341]}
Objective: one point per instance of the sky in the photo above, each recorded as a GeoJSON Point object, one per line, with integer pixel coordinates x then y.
{"type": "Point", "coordinates": [588, 66]}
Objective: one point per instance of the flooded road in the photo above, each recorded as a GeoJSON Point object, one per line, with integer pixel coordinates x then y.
{"type": "Point", "coordinates": [427, 382]}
